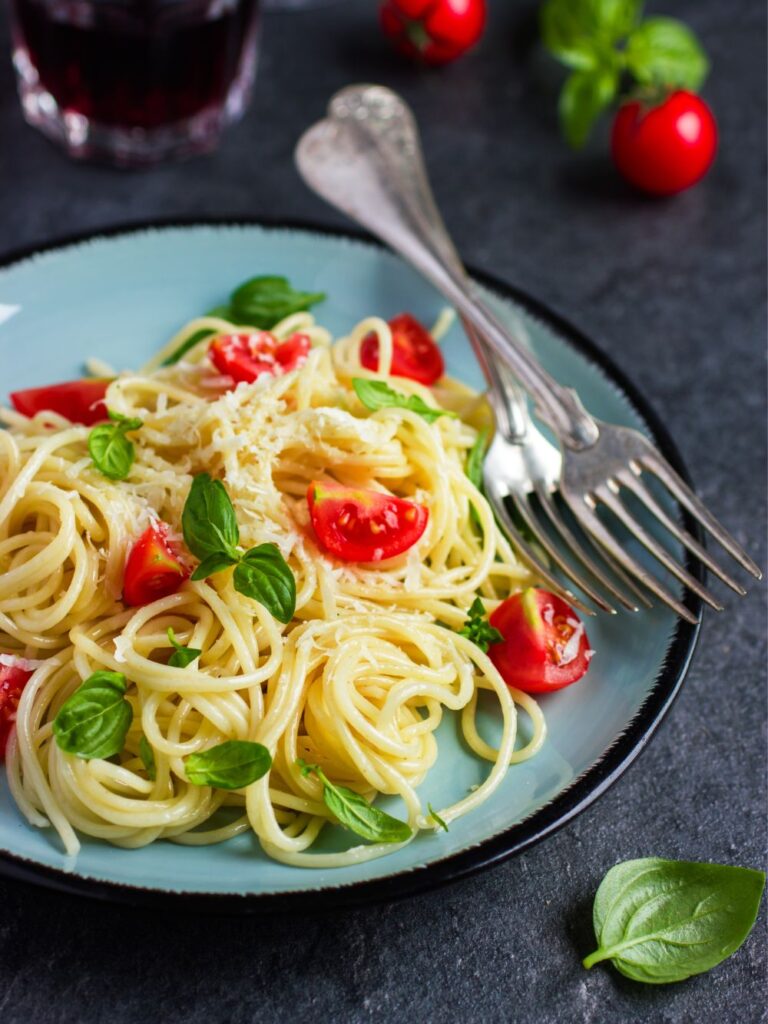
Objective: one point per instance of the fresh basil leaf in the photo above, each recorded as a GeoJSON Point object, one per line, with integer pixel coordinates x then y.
{"type": "Point", "coordinates": [478, 629]}
{"type": "Point", "coordinates": [661, 921]}
{"type": "Point", "coordinates": [263, 574]}
{"type": "Point", "coordinates": [211, 565]}
{"type": "Point", "coordinates": [584, 96]}
{"type": "Point", "coordinates": [94, 721]}
{"type": "Point", "coordinates": [182, 656]}
{"type": "Point", "coordinates": [233, 764]}
{"type": "Point", "coordinates": [664, 51]}
{"type": "Point", "coordinates": [436, 818]}
{"type": "Point", "coordinates": [208, 520]}
{"type": "Point", "coordinates": [265, 301]}
{"type": "Point", "coordinates": [375, 394]}
{"type": "Point", "coordinates": [474, 470]}
{"type": "Point", "coordinates": [355, 813]}
{"type": "Point", "coordinates": [110, 449]}
{"type": "Point", "coordinates": [147, 755]}
{"type": "Point", "coordinates": [580, 33]}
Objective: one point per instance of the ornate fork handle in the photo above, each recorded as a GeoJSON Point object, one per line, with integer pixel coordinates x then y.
{"type": "Point", "coordinates": [341, 164]}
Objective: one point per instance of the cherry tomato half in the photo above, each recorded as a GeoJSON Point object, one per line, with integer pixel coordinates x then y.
{"type": "Point", "coordinates": [81, 401]}
{"type": "Point", "coordinates": [545, 646]}
{"type": "Point", "coordinates": [434, 31]}
{"type": "Point", "coordinates": [667, 148]}
{"type": "Point", "coordinates": [246, 356]}
{"type": "Point", "coordinates": [13, 679]}
{"type": "Point", "coordinates": [153, 569]}
{"type": "Point", "coordinates": [414, 352]}
{"type": "Point", "coordinates": [358, 525]}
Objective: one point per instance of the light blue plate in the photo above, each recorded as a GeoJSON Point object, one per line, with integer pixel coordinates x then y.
{"type": "Point", "coordinates": [120, 297]}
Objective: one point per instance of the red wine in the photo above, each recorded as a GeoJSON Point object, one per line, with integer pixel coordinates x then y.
{"type": "Point", "coordinates": [135, 63]}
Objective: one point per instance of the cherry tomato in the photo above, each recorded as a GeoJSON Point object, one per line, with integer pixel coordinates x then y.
{"type": "Point", "coordinates": [434, 31]}
{"type": "Point", "coordinates": [246, 356]}
{"type": "Point", "coordinates": [13, 679]}
{"type": "Point", "coordinates": [153, 569]}
{"type": "Point", "coordinates": [358, 525]}
{"type": "Point", "coordinates": [414, 352]}
{"type": "Point", "coordinates": [545, 646]}
{"type": "Point", "coordinates": [667, 148]}
{"type": "Point", "coordinates": [81, 401]}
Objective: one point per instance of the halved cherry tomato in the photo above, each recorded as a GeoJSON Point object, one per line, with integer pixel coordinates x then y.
{"type": "Point", "coordinates": [13, 679]}
{"type": "Point", "coordinates": [153, 569]}
{"type": "Point", "coordinates": [81, 401]}
{"type": "Point", "coordinates": [545, 646]}
{"type": "Point", "coordinates": [358, 525]}
{"type": "Point", "coordinates": [414, 352]}
{"type": "Point", "coordinates": [246, 356]}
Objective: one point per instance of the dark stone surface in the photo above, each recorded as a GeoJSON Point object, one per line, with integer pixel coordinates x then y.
{"type": "Point", "coordinates": [674, 291]}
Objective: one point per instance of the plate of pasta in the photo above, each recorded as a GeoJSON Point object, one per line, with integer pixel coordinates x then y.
{"type": "Point", "coordinates": [262, 641]}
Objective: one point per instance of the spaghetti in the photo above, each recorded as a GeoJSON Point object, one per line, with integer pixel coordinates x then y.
{"type": "Point", "coordinates": [357, 682]}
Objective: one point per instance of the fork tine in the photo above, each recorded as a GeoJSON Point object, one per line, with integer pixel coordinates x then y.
{"type": "Point", "coordinates": [680, 489]}
{"type": "Point", "coordinates": [591, 523]}
{"type": "Point", "coordinates": [610, 498]}
{"type": "Point", "coordinates": [560, 525]}
{"type": "Point", "coordinates": [542, 538]}
{"type": "Point", "coordinates": [528, 556]}
{"type": "Point", "coordinates": [633, 483]}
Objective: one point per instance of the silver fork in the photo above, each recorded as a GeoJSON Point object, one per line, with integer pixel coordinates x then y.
{"type": "Point", "coordinates": [343, 164]}
{"type": "Point", "coordinates": [520, 460]}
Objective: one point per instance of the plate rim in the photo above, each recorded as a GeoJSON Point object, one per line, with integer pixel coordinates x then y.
{"type": "Point", "coordinates": [568, 804]}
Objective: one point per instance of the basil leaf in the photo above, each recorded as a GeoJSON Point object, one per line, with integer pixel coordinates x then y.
{"type": "Point", "coordinates": [663, 51]}
{"type": "Point", "coordinates": [208, 521]}
{"type": "Point", "coordinates": [355, 813]}
{"type": "Point", "coordinates": [474, 470]}
{"type": "Point", "coordinates": [265, 301]}
{"type": "Point", "coordinates": [584, 96]}
{"type": "Point", "coordinates": [147, 755]}
{"type": "Point", "coordinates": [182, 656]}
{"type": "Point", "coordinates": [663, 920]}
{"type": "Point", "coordinates": [375, 394]}
{"type": "Point", "coordinates": [436, 817]}
{"type": "Point", "coordinates": [213, 564]}
{"type": "Point", "coordinates": [94, 721]}
{"type": "Point", "coordinates": [233, 764]}
{"type": "Point", "coordinates": [263, 574]}
{"type": "Point", "coordinates": [580, 32]}
{"type": "Point", "coordinates": [478, 629]}
{"type": "Point", "coordinates": [110, 449]}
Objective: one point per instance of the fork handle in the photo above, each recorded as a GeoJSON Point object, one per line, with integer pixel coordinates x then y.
{"type": "Point", "coordinates": [340, 164]}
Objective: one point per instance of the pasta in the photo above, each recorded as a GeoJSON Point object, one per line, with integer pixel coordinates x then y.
{"type": "Point", "coordinates": [359, 679]}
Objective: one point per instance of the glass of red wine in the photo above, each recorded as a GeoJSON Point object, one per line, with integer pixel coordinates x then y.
{"type": "Point", "coordinates": [132, 82]}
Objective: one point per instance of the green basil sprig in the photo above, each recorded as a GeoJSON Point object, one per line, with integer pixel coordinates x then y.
{"type": "Point", "coordinates": [478, 629]}
{"type": "Point", "coordinates": [604, 41]}
{"type": "Point", "coordinates": [258, 302]}
{"type": "Point", "coordinates": [375, 394]}
{"type": "Point", "coordinates": [661, 921]}
{"type": "Point", "coordinates": [355, 813]}
{"type": "Point", "coordinates": [233, 764]}
{"type": "Point", "coordinates": [147, 755]}
{"type": "Point", "coordinates": [182, 656]}
{"type": "Point", "coordinates": [94, 721]}
{"type": "Point", "coordinates": [110, 449]}
{"type": "Point", "coordinates": [436, 818]}
{"type": "Point", "coordinates": [211, 533]}
{"type": "Point", "coordinates": [474, 469]}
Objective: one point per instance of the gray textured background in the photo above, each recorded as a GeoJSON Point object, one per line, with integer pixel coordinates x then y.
{"type": "Point", "coordinates": [674, 291]}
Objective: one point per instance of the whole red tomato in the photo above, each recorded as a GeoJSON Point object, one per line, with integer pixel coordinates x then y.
{"type": "Point", "coordinates": [434, 31]}
{"type": "Point", "coordinates": [667, 148]}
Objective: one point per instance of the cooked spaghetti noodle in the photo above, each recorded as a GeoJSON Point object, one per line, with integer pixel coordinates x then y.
{"type": "Point", "coordinates": [357, 682]}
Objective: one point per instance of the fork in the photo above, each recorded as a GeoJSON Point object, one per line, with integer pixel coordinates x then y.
{"type": "Point", "coordinates": [341, 158]}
